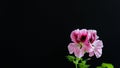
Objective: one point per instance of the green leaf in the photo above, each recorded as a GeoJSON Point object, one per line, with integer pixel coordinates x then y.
{"type": "Point", "coordinates": [105, 65]}
{"type": "Point", "coordinates": [98, 67]}
{"type": "Point", "coordinates": [83, 64]}
{"type": "Point", "coordinates": [108, 65]}
{"type": "Point", "coordinates": [70, 58]}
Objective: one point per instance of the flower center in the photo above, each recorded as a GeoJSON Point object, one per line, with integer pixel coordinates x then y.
{"type": "Point", "coordinates": [80, 45]}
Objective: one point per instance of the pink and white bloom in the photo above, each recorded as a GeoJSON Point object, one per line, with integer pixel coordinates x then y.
{"type": "Point", "coordinates": [85, 41]}
{"type": "Point", "coordinates": [80, 43]}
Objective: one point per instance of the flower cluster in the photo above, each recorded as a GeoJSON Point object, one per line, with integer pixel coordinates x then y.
{"type": "Point", "coordinates": [85, 41]}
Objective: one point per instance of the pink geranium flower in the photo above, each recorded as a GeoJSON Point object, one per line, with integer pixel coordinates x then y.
{"type": "Point", "coordinates": [80, 43]}
{"type": "Point", "coordinates": [85, 41]}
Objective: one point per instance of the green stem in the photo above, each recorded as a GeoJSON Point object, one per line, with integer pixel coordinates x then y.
{"type": "Point", "coordinates": [76, 62]}
{"type": "Point", "coordinates": [75, 65]}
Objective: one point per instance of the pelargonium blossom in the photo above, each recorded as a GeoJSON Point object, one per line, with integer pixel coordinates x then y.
{"type": "Point", "coordinates": [85, 41]}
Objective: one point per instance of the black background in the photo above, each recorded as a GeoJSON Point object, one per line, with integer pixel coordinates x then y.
{"type": "Point", "coordinates": [47, 27]}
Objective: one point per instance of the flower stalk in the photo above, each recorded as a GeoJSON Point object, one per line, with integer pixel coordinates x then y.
{"type": "Point", "coordinates": [76, 62]}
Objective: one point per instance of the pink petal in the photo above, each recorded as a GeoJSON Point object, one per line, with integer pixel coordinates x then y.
{"type": "Point", "coordinates": [83, 31]}
{"type": "Point", "coordinates": [79, 52]}
{"type": "Point", "coordinates": [98, 52]}
{"type": "Point", "coordinates": [82, 52]}
{"type": "Point", "coordinates": [88, 47]}
{"type": "Point", "coordinates": [98, 44]}
{"type": "Point", "coordinates": [83, 36]}
{"type": "Point", "coordinates": [74, 36]}
{"type": "Point", "coordinates": [92, 35]}
{"type": "Point", "coordinates": [71, 47]}
{"type": "Point", "coordinates": [91, 54]}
